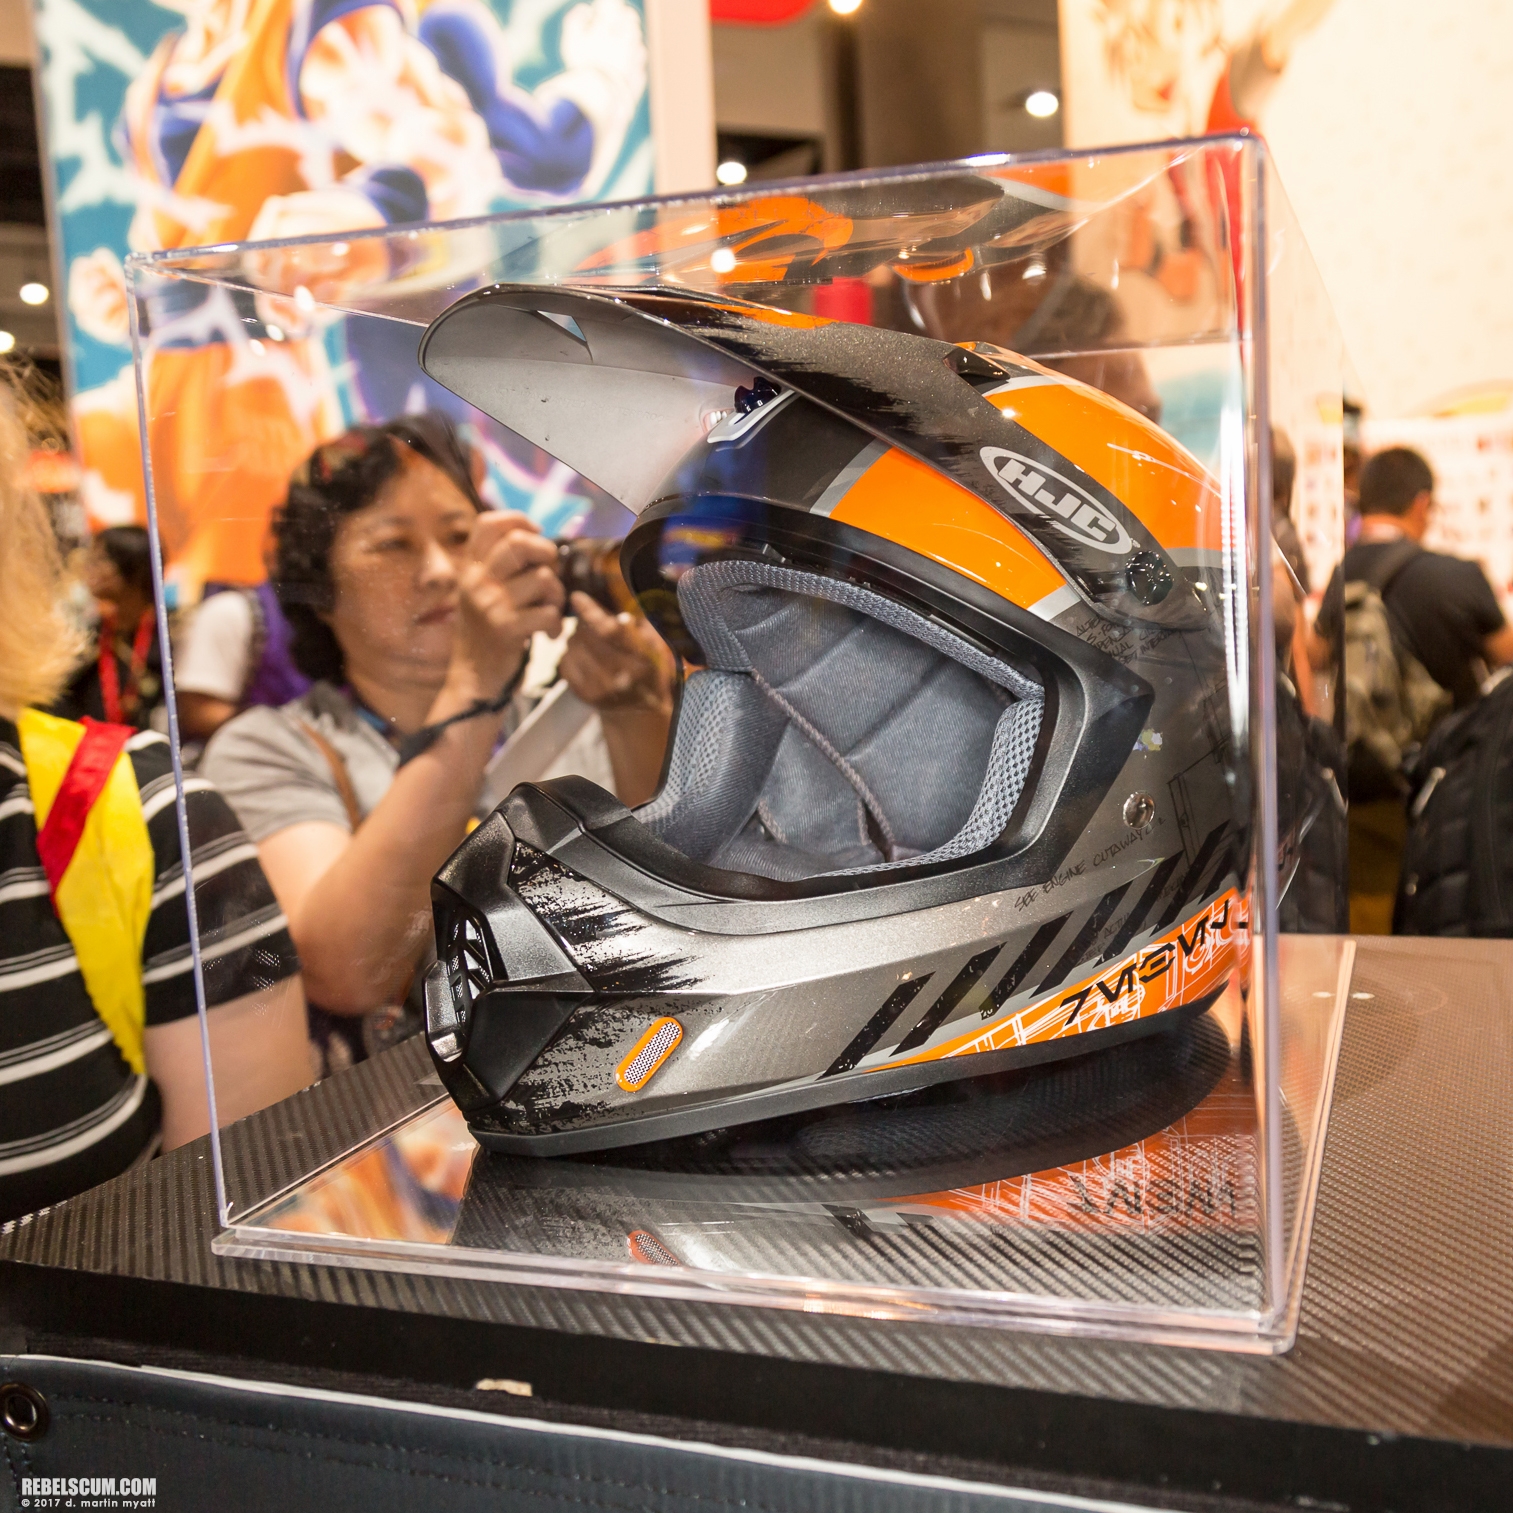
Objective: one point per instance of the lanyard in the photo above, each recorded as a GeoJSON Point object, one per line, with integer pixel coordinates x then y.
{"type": "Point", "coordinates": [117, 708]}
{"type": "Point", "coordinates": [411, 746]}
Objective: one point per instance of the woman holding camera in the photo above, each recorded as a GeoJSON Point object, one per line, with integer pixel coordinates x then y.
{"type": "Point", "coordinates": [413, 608]}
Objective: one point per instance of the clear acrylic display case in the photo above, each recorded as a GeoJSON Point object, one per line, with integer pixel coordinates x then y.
{"type": "Point", "coordinates": [1158, 1189]}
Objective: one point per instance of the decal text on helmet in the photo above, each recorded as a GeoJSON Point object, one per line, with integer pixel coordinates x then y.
{"type": "Point", "coordinates": [1072, 510]}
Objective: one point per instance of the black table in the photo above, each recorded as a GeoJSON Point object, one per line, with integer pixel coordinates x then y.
{"type": "Point", "coordinates": [1398, 1393]}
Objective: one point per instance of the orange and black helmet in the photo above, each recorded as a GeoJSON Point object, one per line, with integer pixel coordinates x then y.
{"type": "Point", "coordinates": [953, 784]}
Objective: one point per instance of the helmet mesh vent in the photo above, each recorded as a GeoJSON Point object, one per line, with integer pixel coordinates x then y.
{"type": "Point", "coordinates": [467, 960]}
{"type": "Point", "coordinates": [648, 1053]}
{"type": "Point", "coordinates": [646, 1248]}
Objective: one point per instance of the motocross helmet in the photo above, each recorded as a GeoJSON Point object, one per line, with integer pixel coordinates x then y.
{"type": "Point", "coordinates": [951, 785]}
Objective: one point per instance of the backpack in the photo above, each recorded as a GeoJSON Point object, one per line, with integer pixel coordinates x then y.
{"type": "Point", "coordinates": [1457, 873]}
{"type": "Point", "coordinates": [272, 678]}
{"type": "Point", "coordinates": [1391, 702]}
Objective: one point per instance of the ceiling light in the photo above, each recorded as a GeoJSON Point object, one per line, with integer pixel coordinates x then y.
{"type": "Point", "coordinates": [34, 294]}
{"type": "Point", "coordinates": [7, 341]}
{"type": "Point", "coordinates": [722, 260]}
{"type": "Point", "coordinates": [1042, 103]}
{"type": "Point", "coordinates": [731, 172]}
{"type": "Point", "coordinates": [845, 7]}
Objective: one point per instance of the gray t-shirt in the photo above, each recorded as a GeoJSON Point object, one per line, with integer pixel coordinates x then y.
{"type": "Point", "coordinates": [275, 776]}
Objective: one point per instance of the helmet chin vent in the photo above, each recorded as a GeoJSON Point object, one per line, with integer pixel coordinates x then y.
{"type": "Point", "coordinates": [648, 1054]}
{"type": "Point", "coordinates": [464, 960]}
{"type": "Point", "coordinates": [646, 1248]}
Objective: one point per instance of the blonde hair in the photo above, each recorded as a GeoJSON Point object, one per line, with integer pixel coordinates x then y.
{"type": "Point", "coordinates": [39, 647]}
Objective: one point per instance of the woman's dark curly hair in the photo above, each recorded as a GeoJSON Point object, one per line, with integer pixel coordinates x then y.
{"type": "Point", "coordinates": [337, 480]}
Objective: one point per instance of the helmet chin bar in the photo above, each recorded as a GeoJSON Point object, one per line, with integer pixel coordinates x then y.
{"type": "Point", "coordinates": [770, 1024]}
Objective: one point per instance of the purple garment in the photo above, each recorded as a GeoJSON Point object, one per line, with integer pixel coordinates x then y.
{"type": "Point", "coordinates": [275, 680]}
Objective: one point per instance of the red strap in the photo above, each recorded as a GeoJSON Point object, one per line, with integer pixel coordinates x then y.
{"type": "Point", "coordinates": [83, 783]}
{"type": "Point", "coordinates": [110, 682]}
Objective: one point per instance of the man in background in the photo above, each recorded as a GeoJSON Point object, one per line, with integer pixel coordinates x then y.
{"type": "Point", "coordinates": [1441, 607]}
{"type": "Point", "coordinates": [1441, 612]}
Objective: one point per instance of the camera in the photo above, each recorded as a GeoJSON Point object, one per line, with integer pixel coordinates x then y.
{"type": "Point", "coordinates": [591, 565]}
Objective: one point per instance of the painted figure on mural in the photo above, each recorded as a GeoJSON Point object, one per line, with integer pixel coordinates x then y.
{"type": "Point", "coordinates": [1192, 68]}
{"type": "Point", "coordinates": [1177, 62]}
{"type": "Point", "coordinates": [273, 118]}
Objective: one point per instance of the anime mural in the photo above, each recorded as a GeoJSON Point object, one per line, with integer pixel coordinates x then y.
{"type": "Point", "coordinates": [1143, 70]}
{"type": "Point", "coordinates": [1139, 70]}
{"type": "Point", "coordinates": [181, 123]}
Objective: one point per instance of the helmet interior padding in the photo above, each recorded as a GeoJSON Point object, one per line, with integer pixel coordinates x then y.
{"type": "Point", "coordinates": [833, 730]}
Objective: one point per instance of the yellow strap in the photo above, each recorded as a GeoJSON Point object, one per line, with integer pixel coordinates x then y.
{"type": "Point", "coordinates": [105, 897]}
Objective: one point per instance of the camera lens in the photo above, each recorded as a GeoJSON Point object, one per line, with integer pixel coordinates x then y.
{"type": "Point", "coordinates": [591, 565]}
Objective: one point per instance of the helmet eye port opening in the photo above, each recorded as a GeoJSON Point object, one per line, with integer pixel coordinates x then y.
{"type": "Point", "coordinates": [1083, 689]}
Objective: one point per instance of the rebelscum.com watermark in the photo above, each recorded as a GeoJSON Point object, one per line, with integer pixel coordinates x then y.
{"type": "Point", "coordinates": [89, 1492]}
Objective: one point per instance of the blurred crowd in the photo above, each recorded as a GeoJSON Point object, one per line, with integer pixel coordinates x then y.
{"type": "Point", "coordinates": [339, 734]}
{"type": "Point", "coordinates": [1395, 667]}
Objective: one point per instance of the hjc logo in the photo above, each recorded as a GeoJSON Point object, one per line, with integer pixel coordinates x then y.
{"type": "Point", "coordinates": [1070, 509]}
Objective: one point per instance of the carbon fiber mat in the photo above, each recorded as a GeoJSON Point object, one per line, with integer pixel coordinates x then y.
{"type": "Point", "coordinates": [1002, 1183]}
{"type": "Point", "coordinates": [295, 1137]}
{"type": "Point", "coordinates": [1407, 1321]}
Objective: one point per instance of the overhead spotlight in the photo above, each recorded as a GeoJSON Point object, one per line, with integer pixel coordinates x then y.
{"type": "Point", "coordinates": [731, 172]}
{"type": "Point", "coordinates": [7, 342]}
{"type": "Point", "coordinates": [722, 260]}
{"type": "Point", "coordinates": [845, 7]}
{"type": "Point", "coordinates": [1042, 103]}
{"type": "Point", "coordinates": [34, 294]}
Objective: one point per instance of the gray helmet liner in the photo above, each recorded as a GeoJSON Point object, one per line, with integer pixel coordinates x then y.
{"type": "Point", "coordinates": [835, 732]}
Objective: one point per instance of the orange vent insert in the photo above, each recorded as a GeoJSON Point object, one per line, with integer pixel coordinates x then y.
{"type": "Point", "coordinates": [646, 1248]}
{"type": "Point", "coordinates": [648, 1053]}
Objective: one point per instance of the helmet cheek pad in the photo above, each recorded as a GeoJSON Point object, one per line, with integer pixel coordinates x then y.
{"type": "Point", "coordinates": [957, 693]}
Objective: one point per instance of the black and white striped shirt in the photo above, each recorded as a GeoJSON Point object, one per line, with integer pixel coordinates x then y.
{"type": "Point", "coordinates": [72, 1113]}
